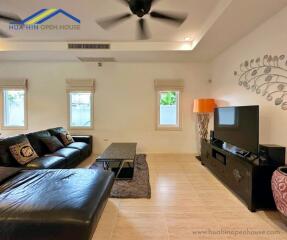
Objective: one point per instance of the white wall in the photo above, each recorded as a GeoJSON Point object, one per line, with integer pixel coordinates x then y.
{"type": "Point", "coordinates": [124, 100]}
{"type": "Point", "coordinates": [125, 96]}
{"type": "Point", "coordinates": [269, 38]}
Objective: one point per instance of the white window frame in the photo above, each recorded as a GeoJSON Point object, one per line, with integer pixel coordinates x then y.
{"type": "Point", "coordinates": [178, 126]}
{"type": "Point", "coordinates": [25, 127]}
{"type": "Point", "coordinates": [91, 113]}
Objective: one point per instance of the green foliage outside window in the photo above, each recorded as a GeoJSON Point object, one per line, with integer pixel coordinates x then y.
{"type": "Point", "coordinates": [168, 98]}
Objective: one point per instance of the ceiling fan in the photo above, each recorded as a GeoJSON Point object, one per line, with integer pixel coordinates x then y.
{"type": "Point", "coordinates": [8, 17]}
{"type": "Point", "coordinates": [141, 8]}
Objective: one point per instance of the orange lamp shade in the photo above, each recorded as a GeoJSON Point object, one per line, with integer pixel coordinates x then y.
{"type": "Point", "coordinates": [204, 105]}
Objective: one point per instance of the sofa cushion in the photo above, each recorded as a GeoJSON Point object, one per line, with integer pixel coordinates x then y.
{"type": "Point", "coordinates": [70, 154]}
{"type": "Point", "coordinates": [52, 143]}
{"type": "Point", "coordinates": [57, 131]}
{"type": "Point", "coordinates": [6, 158]}
{"type": "Point", "coordinates": [53, 204]}
{"type": "Point", "coordinates": [23, 152]}
{"type": "Point", "coordinates": [83, 147]}
{"type": "Point", "coordinates": [36, 142]}
{"type": "Point", "coordinates": [7, 173]}
{"type": "Point", "coordinates": [66, 138]}
{"type": "Point", "coordinates": [47, 162]}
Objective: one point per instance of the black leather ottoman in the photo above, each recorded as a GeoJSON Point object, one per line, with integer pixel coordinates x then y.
{"type": "Point", "coordinates": [53, 204]}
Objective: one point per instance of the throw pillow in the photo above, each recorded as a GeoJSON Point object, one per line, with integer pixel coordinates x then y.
{"type": "Point", "coordinates": [52, 143]}
{"type": "Point", "coordinates": [66, 138]}
{"type": "Point", "coordinates": [23, 152]}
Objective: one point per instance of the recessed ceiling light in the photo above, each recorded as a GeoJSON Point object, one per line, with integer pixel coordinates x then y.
{"type": "Point", "coordinates": [187, 39]}
{"type": "Point", "coordinates": [186, 46]}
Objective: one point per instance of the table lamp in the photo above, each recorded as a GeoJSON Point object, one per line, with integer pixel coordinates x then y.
{"type": "Point", "coordinates": [203, 108]}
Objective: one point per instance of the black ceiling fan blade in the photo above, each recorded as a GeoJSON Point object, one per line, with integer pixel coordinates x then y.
{"type": "Point", "coordinates": [126, 2]}
{"type": "Point", "coordinates": [110, 22]}
{"type": "Point", "coordinates": [9, 17]}
{"type": "Point", "coordinates": [143, 31]}
{"type": "Point", "coordinates": [177, 19]}
{"type": "Point", "coordinates": [3, 34]}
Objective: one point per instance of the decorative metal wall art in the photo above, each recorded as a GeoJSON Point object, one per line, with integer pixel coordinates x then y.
{"type": "Point", "coordinates": [266, 76]}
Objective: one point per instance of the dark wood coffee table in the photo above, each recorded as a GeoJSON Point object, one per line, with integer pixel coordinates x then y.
{"type": "Point", "coordinates": [119, 153]}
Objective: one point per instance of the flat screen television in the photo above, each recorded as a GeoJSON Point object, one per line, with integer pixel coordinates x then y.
{"type": "Point", "coordinates": [238, 126]}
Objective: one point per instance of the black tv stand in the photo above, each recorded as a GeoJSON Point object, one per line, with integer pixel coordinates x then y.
{"type": "Point", "coordinates": [244, 175]}
{"type": "Point", "coordinates": [242, 153]}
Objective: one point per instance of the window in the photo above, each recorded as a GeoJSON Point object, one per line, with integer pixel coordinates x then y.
{"type": "Point", "coordinates": [14, 103]}
{"type": "Point", "coordinates": [168, 109]}
{"type": "Point", "coordinates": [81, 105]}
{"type": "Point", "coordinates": [14, 108]}
{"type": "Point", "coordinates": [169, 104]}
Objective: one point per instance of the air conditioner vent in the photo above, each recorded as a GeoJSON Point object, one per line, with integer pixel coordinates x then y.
{"type": "Point", "coordinates": [97, 59]}
{"type": "Point", "coordinates": [88, 46]}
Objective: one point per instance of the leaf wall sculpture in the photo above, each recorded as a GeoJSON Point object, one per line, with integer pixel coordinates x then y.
{"type": "Point", "coordinates": [265, 76]}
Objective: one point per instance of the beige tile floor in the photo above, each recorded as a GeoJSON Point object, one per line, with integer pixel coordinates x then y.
{"type": "Point", "coordinates": [187, 202]}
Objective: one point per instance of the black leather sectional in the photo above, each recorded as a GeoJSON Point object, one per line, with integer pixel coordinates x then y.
{"type": "Point", "coordinates": [46, 199]}
{"type": "Point", "coordinates": [67, 157]}
{"type": "Point", "coordinates": [54, 204]}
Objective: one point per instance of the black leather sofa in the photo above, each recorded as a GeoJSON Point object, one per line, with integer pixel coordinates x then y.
{"type": "Point", "coordinates": [67, 157]}
{"type": "Point", "coordinates": [52, 204]}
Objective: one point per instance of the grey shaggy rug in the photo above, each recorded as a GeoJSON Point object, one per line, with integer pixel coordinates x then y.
{"type": "Point", "coordinates": [138, 187]}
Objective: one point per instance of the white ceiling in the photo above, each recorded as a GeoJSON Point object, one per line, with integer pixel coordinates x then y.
{"type": "Point", "coordinates": [213, 26]}
{"type": "Point", "coordinates": [88, 11]}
